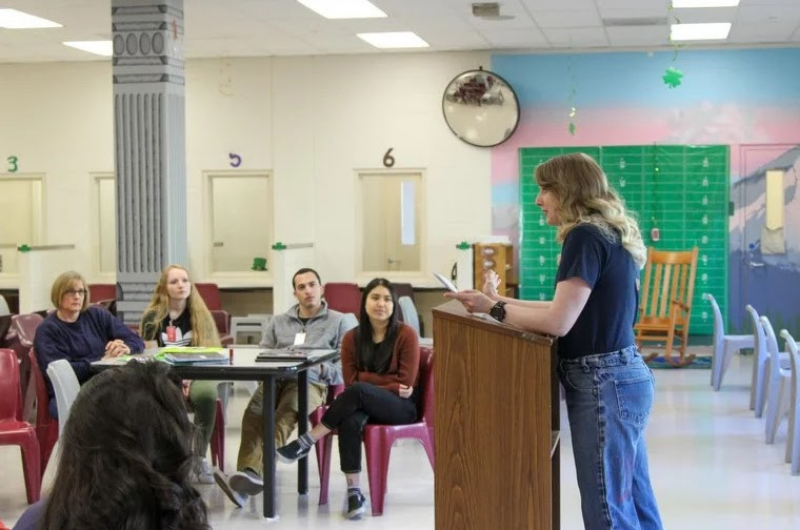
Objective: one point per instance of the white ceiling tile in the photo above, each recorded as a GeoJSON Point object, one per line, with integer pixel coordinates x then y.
{"type": "Point", "coordinates": [516, 38]}
{"type": "Point", "coordinates": [576, 37]}
{"type": "Point", "coordinates": [560, 5]}
{"type": "Point", "coordinates": [768, 13]}
{"type": "Point", "coordinates": [567, 19]}
{"type": "Point", "coordinates": [639, 36]}
{"type": "Point", "coordinates": [285, 27]}
{"type": "Point", "coordinates": [762, 33]}
{"type": "Point", "coordinates": [631, 4]}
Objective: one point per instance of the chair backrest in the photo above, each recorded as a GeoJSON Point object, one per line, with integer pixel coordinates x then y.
{"type": "Point", "coordinates": [794, 359]}
{"type": "Point", "coordinates": [350, 321]}
{"type": "Point", "coordinates": [409, 312]}
{"type": "Point", "coordinates": [4, 309]}
{"type": "Point", "coordinates": [42, 397]}
{"type": "Point", "coordinates": [668, 281]}
{"type": "Point", "coordinates": [719, 325]}
{"type": "Point", "coordinates": [426, 406]}
{"type": "Point", "coordinates": [210, 294]}
{"type": "Point", "coordinates": [25, 327]}
{"type": "Point", "coordinates": [5, 325]}
{"type": "Point", "coordinates": [343, 297]}
{"type": "Point", "coordinates": [760, 345]}
{"type": "Point", "coordinates": [65, 386]}
{"type": "Point", "coordinates": [772, 347]}
{"type": "Point", "coordinates": [102, 291]}
{"type": "Point", "coordinates": [10, 398]}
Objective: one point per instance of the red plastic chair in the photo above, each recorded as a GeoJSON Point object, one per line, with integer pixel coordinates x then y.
{"type": "Point", "coordinates": [210, 294]}
{"type": "Point", "coordinates": [102, 291]}
{"type": "Point", "coordinates": [378, 440]}
{"type": "Point", "coordinates": [14, 431]}
{"type": "Point", "coordinates": [23, 329]}
{"type": "Point", "coordinates": [343, 297]}
{"type": "Point", "coordinates": [46, 425]}
{"type": "Point", "coordinates": [218, 439]}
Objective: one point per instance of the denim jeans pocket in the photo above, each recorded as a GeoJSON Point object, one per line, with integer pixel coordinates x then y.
{"type": "Point", "coordinates": [635, 398]}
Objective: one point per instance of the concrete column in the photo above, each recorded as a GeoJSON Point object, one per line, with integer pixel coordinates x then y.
{"type": "Point", "coordinates": [150, 146]}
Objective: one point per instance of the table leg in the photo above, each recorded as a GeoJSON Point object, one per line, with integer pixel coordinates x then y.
{"type": "Point", "coordinates": [302, 428]}
{"type": "Point", "coordinates": [268, 446]}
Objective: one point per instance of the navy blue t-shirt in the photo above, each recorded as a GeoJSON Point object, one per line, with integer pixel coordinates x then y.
{"type": "Point", "coordinates": [606, 322]}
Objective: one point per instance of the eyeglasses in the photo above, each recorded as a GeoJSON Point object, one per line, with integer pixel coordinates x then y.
{"type": "Point", "coordinates": [73, 292]}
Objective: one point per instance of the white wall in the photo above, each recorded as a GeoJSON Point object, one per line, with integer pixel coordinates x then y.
{"type": "Point", "coordinates": [311, 121]}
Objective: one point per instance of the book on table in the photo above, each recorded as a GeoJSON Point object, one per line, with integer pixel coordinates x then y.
{"type": "Point", "coordinates": [291, 354]}
{"type": "Point", "coordinates": [195, 355]}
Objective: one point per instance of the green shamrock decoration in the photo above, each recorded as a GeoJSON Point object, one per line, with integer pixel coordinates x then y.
{"type": "Point", "coordinates": [672, 77]}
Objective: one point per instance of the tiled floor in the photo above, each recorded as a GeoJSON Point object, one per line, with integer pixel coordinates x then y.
{"type": "Point", "coordinates": [709, 464]}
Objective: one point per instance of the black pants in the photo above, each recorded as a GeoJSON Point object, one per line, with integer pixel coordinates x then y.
{"type": "Point", "coordinates": [354, 407]}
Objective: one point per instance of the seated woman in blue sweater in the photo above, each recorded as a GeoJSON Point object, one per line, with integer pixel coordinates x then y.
{"type": "Point", "coordinates": [79, 333]}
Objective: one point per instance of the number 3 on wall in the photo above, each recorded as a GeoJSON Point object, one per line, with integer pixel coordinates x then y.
{"type": "Point", "coordinates": [12, 164]}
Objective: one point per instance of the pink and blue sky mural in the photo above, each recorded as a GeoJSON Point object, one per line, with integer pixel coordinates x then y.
{"type": "Point", "coordinates": [746, 99]}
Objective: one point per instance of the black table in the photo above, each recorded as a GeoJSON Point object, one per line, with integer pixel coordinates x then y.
{"type": "Point", "coordinates": [244, 367]}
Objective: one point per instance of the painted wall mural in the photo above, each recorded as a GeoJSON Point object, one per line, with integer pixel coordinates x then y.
{"type": "Point", "coordinates": [748, 100]}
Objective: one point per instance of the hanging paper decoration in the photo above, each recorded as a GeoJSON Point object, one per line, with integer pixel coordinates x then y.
{"type": "Point", "coordinates": [672, 76]}
{"type": "Point", "coordinates": [570, 99]}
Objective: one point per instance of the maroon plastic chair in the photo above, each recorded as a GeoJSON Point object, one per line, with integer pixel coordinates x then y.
{"type": "Point", "coordinates": [14, 431]}
{"type": "Point", "coordinates": [23, 329]}
{"type": "Point", "coordinates": [46, 425]}
{"type": "Point", "coordinates": [343, 297]}
{"type": "Point", "coordinates": [211, 296]}
{"type": "Point", "coordinates": [102, 291]}
{"type": "Point", "coordinates": [378, 439]}
{"type": "Point", "coordinates": [218, 439]}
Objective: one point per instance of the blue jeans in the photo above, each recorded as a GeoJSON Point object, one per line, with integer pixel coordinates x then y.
{"type": "Point", "coordinates": [609, 399]}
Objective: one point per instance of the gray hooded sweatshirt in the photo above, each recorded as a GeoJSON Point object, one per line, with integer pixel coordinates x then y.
{"type": "Point", "coordinates": [324, 331]}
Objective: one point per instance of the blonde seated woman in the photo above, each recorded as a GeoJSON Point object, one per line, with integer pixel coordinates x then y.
{"type": "Point", "coordinates": [177, 316]}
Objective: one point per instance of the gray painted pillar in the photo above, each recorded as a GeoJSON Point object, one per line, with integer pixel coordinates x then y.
{"type": "Point", "coordinates": [150, 146]}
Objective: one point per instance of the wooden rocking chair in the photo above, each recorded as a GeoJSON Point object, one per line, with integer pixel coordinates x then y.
{"type": "Point", "coordinates": [666, 302]}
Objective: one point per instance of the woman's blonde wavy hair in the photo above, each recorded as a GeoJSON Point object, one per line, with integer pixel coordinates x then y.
{"type": "Point", "coordinates": [585, 197]}
{"type": "Point", "coordinates": [204, 330]}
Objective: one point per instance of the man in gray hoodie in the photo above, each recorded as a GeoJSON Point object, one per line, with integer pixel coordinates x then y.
{"type": "Point", "coordinates": [310, 324]}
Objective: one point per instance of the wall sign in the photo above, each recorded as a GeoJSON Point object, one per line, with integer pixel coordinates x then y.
{"type": "Point", "coordinates": [13, 163]}
{"type": "Point", "coordinates": [388, 159]}
{"type": "Point", "coordinates": [236, 160]}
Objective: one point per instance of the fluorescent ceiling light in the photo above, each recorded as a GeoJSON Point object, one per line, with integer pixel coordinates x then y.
{"type": "Point", "coordinates": [13, 19]}
{"type": "Point", "coordinates": [713, 31]}
{"type": "Point", "coordinates": [394, 39]}
{"type": "Point", "coordinates": [97, 47]}
{"type": "Point", "coordinates": [704, 3]}
{"type": "Point", "coordinates": [343, 8]}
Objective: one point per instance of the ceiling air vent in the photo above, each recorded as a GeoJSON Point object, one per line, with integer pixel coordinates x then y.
{"type": "Point", "coordinates": [636, 21]}
{"type": "Point", "coordinates": [489, 11]}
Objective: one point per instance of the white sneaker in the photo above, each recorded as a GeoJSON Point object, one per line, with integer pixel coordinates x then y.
{"type": "Point", "coordinates": [202, 472]}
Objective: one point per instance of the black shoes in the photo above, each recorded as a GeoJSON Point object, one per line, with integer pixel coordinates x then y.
{"type": "Point", "coordinates": [355, 504]}
{"type": "Point", "coordinates": [292, 452]}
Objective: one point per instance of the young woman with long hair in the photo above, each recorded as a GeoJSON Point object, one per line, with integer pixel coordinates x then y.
{"type": "Point", "coordinates": [177, 316]}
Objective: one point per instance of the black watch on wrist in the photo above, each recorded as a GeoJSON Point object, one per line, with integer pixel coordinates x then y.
{"type": "Point", "coordinates": [498, 311]}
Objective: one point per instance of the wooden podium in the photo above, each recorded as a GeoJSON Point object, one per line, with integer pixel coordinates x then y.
{"type": "Point", "coordinates": [497, 425]}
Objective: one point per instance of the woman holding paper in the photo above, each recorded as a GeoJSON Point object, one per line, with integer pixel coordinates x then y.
{"type": "Point", "coordinates": [177, 316]}
{"type": "Point", "coordinates": [380, 363]}
{"type": "Point", "coordinates": [609, 388]}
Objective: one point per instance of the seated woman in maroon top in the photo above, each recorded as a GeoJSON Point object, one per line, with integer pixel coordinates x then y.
{"type": "Point", "coordinates": [380, 364]}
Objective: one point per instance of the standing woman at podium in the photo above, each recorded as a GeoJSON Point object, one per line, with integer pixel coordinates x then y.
{"type": "Point", "coordinates": [609, 388]}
